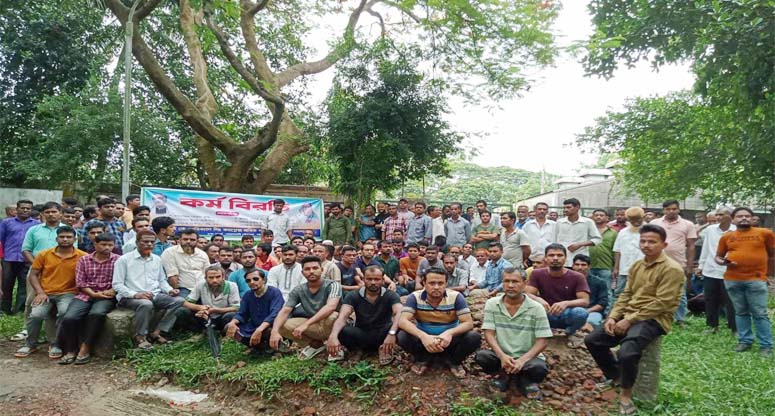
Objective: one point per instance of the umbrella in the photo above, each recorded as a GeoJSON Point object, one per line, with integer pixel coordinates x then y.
{"type": "Point", "coordinates": [213, 339]}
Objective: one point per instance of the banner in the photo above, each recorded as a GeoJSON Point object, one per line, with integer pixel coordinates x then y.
{"type": "Point", "coordinates": [232, 215]}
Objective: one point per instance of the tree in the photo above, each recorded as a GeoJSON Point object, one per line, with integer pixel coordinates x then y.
{"type": "Point", "coordinates": [385, 126]}
{"type": "Point", "coordinates": [252, 54]}
{"type": "Point", "coordinates": [716, 139]}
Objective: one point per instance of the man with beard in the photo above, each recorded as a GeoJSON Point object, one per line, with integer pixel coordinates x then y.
{"type": "Point", "coordinates": [627, 250]}
{"type": "Point", "coordinates": [517, 329]}
{"type": "Point", "coordinates": [337, 227]}
{"type": "Point", "coordinates": [330, 269]}
{"type": "Point", "coordinates": [749, 254]}
{"type": "Point", "coordinates": [620, 220]}
{"type": "Point", "coordinates": [212, 252]}
{"type": "Point", "coordinates": [226, 260]}
{"type": "Point", "coordinates": [287, 275]}
{"type": "Point", "coordinates": [643, 313]}
{"type": "Point", "coordinates": [376, 320]}
{"type": "Point", "coordinates": [184, 263]}
{"type": "Point", "coordinates": [312, 305]}
{"type": "Point", "coordinates": [107, 215]}
{"type": "Point", "coordinates": [214, 299]}
{"type": "Point", "coordinates": [458, 278]}
{"type": "Point", "coordinates": [393, 223]}
{"type": "Point", "coordinates": [248, 260]}
{"type": "Point", "coordinates": [257, 312]}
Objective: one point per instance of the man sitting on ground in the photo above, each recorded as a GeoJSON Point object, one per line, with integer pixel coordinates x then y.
{"type": "Point", "coordinates": [563, 293]}
{"type": "Point", "coordinates": [458, 278]}
{"type": "Point", "coordinates": [598, 293]}
{"type": "Point", "coordinates": [264, 258]}
{"type": "Point", "coordinates": [493, 275]}
{"type": "Point", "coordinates": [141, 285]}
{"type": "Point", "coordinates": [376, 320]}
{"type": "Point", "coordinates": [407, 267]}
{"type": "Point", "coordinates": [352, 277]}
{"type": "Point", "coordinates": [517, 330]}
{"type": "Point", "coordinates": [258, 310]}
{"type": "Point", "coordinates": [311, 307]}
{"type": "Point", "coordinates": [444, 327]}
{"type": "Point", "coordinates": [330, 269]}
{"type": "Point", "coordinates": [215, 300]}
{"type": "Point", "coordinates": [248, 260]}
{"type": "Point", "coordinates": [226, 260]}
{"type": "Point", "coordinates": [643, 313]}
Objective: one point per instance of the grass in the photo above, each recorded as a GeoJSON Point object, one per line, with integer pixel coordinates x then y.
{"type": "Point", "coordinates": [10, 325]}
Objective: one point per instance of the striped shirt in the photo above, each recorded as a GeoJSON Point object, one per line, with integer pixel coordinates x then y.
{"type": "Point", "coordinates": [435, 320]}
{"type": "Point", "coordinates": [516, 334]}
{"type": "Point", "coordinates": [97, 276]}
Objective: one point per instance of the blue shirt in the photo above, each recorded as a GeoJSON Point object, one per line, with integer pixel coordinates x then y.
{"type": "Point", "coordinates": [458, 232]}
{"type": "Point", "coordinates": [41, 237]}
{"type": "Point", "coordinates": [419, 229]}
{"type": "Point", "coordinates": [366, 232]}
{"type": "Point", "coordinates": [159, 247]}
{"type": "Point", "coordinates": [254, 310]}
{"type": "Point", "coordinates": [493, 276]}
{"type": "Point", "coordinates": [238, 277]}
{"type": "Point", "coordinates": [116, 227]}
{"type": "Point", "coordinates": [12, 232]}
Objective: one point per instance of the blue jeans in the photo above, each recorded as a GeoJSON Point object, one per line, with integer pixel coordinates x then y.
{"type": "Point", "coordinates": [750, 301]}
{"type": "Point", "coordinates": [605, 275]}
{"type": "Point", "coordinates": [571, 319]}
{"type": "Point", "coordinates": [680, 313]}
{"type": "Point", "coordinates": [595, 319]}
{"type": "Point", "coordinates": [41, 312]}
{"type": "Point", "coordinates": [621, 282]}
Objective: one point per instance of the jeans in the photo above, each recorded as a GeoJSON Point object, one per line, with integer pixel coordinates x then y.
{"type": "Point", "coordinates": [625, 366]}
{"type": "Point", "coordinates": [605, 275]}
{"type": "Point", "coordinates": [14, 273]}
{"type": "Point", "coordinates": [750, 301]}
{"type": "Point", "coordinates": [595, 319]}
{"type": "Point", "coordinates": [354, 338]}
{"type": "Point", "coordinates": [534, 371]}
{"type": "Point", "coordinates": [76, 330]}
{"type": "Point", "coordinates": [715, 298]}
{"type": "Point", "coordinates": [144, 312]}
{"type": "Point", "coordinates": [621, 282]}
{"type": "Point", "coordinates": [571, 319]}
{"type": "Point", "coordinates": [461, 347]}
{"type": "Point", "coordinates": [39, 313]}
{"type": "Point", "coordinates": [680, 313]}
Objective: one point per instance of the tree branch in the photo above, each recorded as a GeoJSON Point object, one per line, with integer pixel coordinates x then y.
{"type": "Point", "coordinates": [409, 13]}
{"type": "Point", "coordinates": [256, 7]}
{"type": "Point", "coordinates": [205, 101]}
{"type": "Point", "coordinates": [260, 66]}
{"type": "Point", "coordinates": [145, 10]}
{"type": "Point", "coordinates": [379, 17]}
{"type": "Point", "coordinates": [314, 67]}
{"type": "Point", "coordinates": [145, 56]}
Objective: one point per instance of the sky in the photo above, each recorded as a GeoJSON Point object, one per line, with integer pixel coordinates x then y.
{"type": "Point", "coordinates": [536, 131]}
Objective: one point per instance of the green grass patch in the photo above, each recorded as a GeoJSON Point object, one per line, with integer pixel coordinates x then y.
{"type": "Point", "coordinates": [10, 325]}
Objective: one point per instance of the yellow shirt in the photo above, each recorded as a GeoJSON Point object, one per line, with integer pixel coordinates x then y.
{"type": "Point", "coordinates": [653, 291]}
{"type": "Point", "coordinates": [57, 274]}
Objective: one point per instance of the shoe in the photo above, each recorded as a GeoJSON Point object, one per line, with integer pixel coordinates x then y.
{"type": "Point", "coordinates": [742, 347]}
{"type": "Point", "coordinates": [532, 392]}
{"type": "Point", "coordinates": [54, 352]}
{"type": "Point", "coordinates": [67, 359]}
{"type": "Point", "coordinates": [499, 385]}
{"type": "Point", "coordinates": [457, 371]}
{"type": "Point", "coordinates": [765, 352]}
{"type": "Point", "coordinates": [339, 356]}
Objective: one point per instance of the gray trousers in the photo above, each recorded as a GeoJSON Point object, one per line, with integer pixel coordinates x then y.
{"type": "Point", "coordinates": [144, 309]}
{"type": "Point", "coordinates": [41, 312]}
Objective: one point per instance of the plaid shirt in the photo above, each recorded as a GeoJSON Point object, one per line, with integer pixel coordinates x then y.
{"type": "Point", "coordinates": [94, 275]}
{"type": "Point", "coordinates": [392, 224]}
{"type": "Point", "coordinates": [115, 227]}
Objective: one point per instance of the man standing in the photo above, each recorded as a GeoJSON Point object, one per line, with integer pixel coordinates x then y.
{"type": "Point", "coordinates": [602, 255]}
{"type": "Point", "coordinates": [139, 222]}
{"type": "Point", "coordinates": [485, 232]}
{"type": "Point", "coordinates": [563, 293]}
{"type": "Point", "coordinates": [382, 215]}
{"type": "Point", "coordinates": [376, 320]}
{"type": "Point", "coordinates": [393, 223]}
{"type": "Point", "coordinates": [185, 264]}
{"type": "Point", "coordinates": [749, 254]}
{"type": "Point", "coordinates": [517, 330]}
{"type": "Point", "coordinates": [643, 313]}
{"type": "Point", "coordinates": [627, 249]}
{"type": "Point", "coordinates": [257, 312]}
{"type": "Point", "coordinates": [540, 231]}
{"type": "Point", "coordinates": [214, 299]}
{"type": "Point", "coordinates": [95, 298]}
{"type": "Point", "coordinates": [288, 275]}
{"type": "Point", "coordinates": [279, 223]}
{"type": "Point", "coordinates": [457, 229]}
{"type": "Point", "coordinates": [115, 226]}
{"type": "Point", "coordinates": [15, 266]}
{"type": "Point", "coordinates": [575, 232]}
{"type": "Point", "coordinates": [420, 227]}
{"type": "Point", "coordinates": [132, 202]}
{"type": "Point", "coordinates": [620, 220]}
{"type": "Point", "coordinates": [437, 220]}
{"type": "Point", "coordinates": [141, 285]}
{"type": "Point", "coordinates": [403, 210]}
{"type": "Point", "coordinates": [164, 227]}
{"type": "Point", "coordinates": [523, 214]}
{"type": "Point", "coordinates": [681, 236]}
{"type": "Point", "coordinates": [313, 306]}
{"type": "Point", "coordinates": [516, 246]}
{"type": "Point", "coordinates": [366, 224]}
{"type": "Point", "coordinates": [337, 227]}
{"type": "Point", "coordinates": [481, 206]}
{"type": "Point", "coordinates": [713, 273]}
{"type": "Point", "coordinates": [493, 276]}
{"type": "Point", "coordinates": [444, 327]}
{"type": "Point", "coordinates": [52, 278]}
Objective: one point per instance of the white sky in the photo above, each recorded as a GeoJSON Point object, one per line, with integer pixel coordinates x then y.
{"type": "Point", "coordinates": [537, 130]}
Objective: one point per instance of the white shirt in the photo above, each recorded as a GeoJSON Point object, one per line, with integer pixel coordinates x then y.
{"type": "Point", "coordinates": [476, 272]}
{"type": "Point", "coordinates": [438, 227]}
{"type": "Point", "coordinates": [189, 267]}
{"type": "Point", "coordinates": [711, 236]}
{"type": "Point", "coordinates": [539, 236]}
{"type": "Point", "coordinates": [285, 278]}
{"type": "Point", "coordinates": [627, 244]}
{"type": "Point", "coordinates": [134, 273]}
{"type": "Point", "coordinates": [580, 231]}
{"type": "Point", "coordinates": [279, 224]}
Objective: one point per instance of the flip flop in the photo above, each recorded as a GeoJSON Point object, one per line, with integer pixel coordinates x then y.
{"type": "Point", "coordinates": [25, 351]}
{"type": "Point", "coordinates": [532, 392]}
{"type": "Point", "coordinates": [627, 409]}
{"type": "Point", "coordinates": [159, 339]}
{"type": "Point", "coordinates": [83, 360]}
{"type": "Point", "coordinates": [385, 359]}
{"type": "Point", "coordinates": [67, 359]}
{"type": "Point", "coordinates": [419, 368]}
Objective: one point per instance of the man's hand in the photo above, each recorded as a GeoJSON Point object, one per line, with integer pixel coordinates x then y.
{"type": "Point", "coordinates": [543, 303]}
{"type": "Point", "coordinates": [274, 340]}
{"type": "Point", "coordinates": [446, 339]}
{"type": "Point", "coordinates": [615, 273]}
{"type": "Point", "coordinates": [231, 329]}
{"type": "Point", "coordinates": [609, 326]}
{"type": "Point", "coordinates": [558, 308]}
{"type": "Point", "coordinates": [688, 271]}
{"type": "Point", "coordinates": [518, 364]}
{"type": "Point", "coordinates": [299, 331]}
{"type": "Point", "coordinates": [174, 281]}
{"type": "Point", "coordinates": [333, 346]}
{"type": "Point", "coordinates": [255, 339]}
{"type": "Point", "coordinates": [431, 344]}
{"type": "Point", "coordinates": [508, 364]}
{"type": "Point", "coordinates": [622, 327]}
{"type": "Point", "coordinates": [573, 247]}
{"type": "Point", "coordinates": [144, 295]}
{"type": "Point", "coordinates": [174, 292]}
{"type": "Point", "coordinates": [388, 345]}
{"type": "Point", "coordinates": [40, 299]}
{"type": "Point", "coordinates": [202, 313]}
{"type": "Point", "coordinates": [392, 286]}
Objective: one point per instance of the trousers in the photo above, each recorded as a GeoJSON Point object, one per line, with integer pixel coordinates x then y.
{"type": "Point", "coordinates": [461, 347]}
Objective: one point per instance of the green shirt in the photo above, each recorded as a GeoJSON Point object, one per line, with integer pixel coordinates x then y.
{"type": "Point", "coordinates": [41, 237]}
{"type": "Point", "coordinates": [338, 230]}
{"type": "Point", "coordinates": [490, 229]}
{"type": "Point", "coordinates": [602, 254]}
{"type": "Point", "coordinates": [516, 334]}
{"type": "Point", "coordinates": [390, 267]}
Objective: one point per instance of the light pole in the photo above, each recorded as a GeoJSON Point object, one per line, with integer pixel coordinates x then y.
{"type": "Point", "coordinates": [127, 100]}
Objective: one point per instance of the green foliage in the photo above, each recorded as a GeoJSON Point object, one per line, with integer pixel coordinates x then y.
{"type": "Point", "coordinates": [10, 325]}
{"type": "Point", "coordinates": [266, 377]}
{"type": "Point", "coordinates": [363, 379]}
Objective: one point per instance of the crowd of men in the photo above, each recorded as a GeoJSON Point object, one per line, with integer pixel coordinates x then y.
{"type": "Point", "coordinates": [393, 277]}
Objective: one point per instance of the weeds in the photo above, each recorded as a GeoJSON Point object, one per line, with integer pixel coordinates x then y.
{"type": "Point", "coordinates": [10, 325]}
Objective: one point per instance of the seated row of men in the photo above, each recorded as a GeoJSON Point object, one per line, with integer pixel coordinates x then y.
{"type": "Point", "coordinates": [317, 312]}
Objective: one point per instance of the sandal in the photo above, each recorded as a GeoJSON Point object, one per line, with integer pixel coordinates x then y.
{"type": "Point", "coordinates": [145, 345]}
{"type": "Point", "coordinates": [55, 353]}
{"type": "Point", "coordinates": [66, 359]}
{"type": "Point", "coordinates": [309, 352]}
{"type": "Point", "coordinates": [532, 392]}
{"type": "Point", "coordinates": [457, 371]}
{"type": "Point", "coordinates": [627, 408]}
{"type": "Point", "coordinates": [25, 351]}
{"type": "Point", "coordinates": [82, 360]}
{"type": "Point", "coordinates": [158, 339]}
{"type": "Point", "coordinates": [385, 359]}
{"type": "Point", "coordinates": [419, 368]}
{"type": "Point", "coordinates": [21, 336]}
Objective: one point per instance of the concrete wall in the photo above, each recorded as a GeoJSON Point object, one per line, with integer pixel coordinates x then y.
{"type": "Point", "coordinates": [9, 196]}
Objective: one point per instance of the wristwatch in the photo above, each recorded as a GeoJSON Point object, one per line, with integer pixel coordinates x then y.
{"type": "Point", "coordinates": [391, 332]}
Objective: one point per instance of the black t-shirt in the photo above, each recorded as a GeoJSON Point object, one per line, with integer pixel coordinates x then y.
{"type": "Point", "coordinates": [372, 316]}
{"type": "Point", "coordinates": [348, 273]}
{"type": "Point", "coordinates": [380, 218]}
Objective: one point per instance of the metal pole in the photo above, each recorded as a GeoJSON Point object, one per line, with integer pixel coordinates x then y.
{"type": "Point", "coordinates": [127, 100]}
